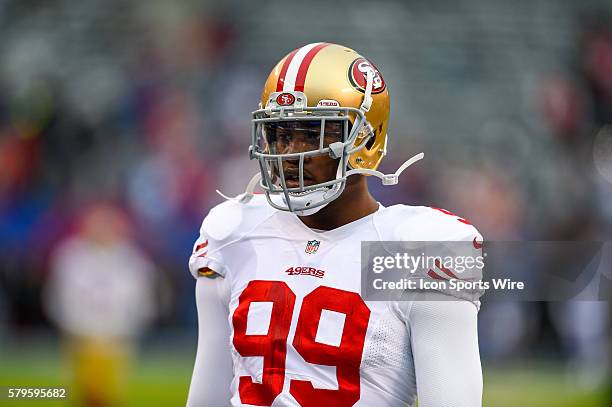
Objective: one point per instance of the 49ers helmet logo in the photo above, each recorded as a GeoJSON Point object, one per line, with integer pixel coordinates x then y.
{"type": "Point", "coordinates": [285, 99]}
{"type": "Point", "coordinates": [358, 76]}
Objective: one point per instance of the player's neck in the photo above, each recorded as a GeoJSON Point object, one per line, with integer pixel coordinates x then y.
{"type": "Point", "coordinates": [354, 203]}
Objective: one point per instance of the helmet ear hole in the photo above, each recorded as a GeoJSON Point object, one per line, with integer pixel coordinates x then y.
{"type": "Point", "coordinates": [370, 142]}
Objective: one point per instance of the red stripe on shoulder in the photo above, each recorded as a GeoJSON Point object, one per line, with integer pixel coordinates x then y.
{"type": "Point", "coordinates": [433, 275]}
{"type": "Point", "coordinates": [201, 245]}
{"type": "Point", "coordinates": [445, 270]}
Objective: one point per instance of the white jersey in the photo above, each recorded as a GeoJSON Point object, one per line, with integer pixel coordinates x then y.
{"type": "Point", "coordinates": [301, 334]}
{"type": "Point", "coordinates": [100, 291]}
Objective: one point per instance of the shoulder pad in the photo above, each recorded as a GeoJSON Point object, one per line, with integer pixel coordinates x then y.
{"type": "Point", "coordinates": [226, 223]}
{"type": "Point", "coordinates": [423, 223]}
{"type": "Point", "coordinates": [428, 226]}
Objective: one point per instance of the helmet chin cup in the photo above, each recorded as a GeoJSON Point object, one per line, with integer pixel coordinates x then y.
{"type": "Point", "coordinates": [310, 203]}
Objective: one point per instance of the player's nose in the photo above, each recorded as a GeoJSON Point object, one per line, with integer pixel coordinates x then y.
{"type": "Point", "coordinates": [293, 167]}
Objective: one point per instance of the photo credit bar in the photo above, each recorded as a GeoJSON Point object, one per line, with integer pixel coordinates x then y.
{"type": "Point", "coordinates": [495, 271]}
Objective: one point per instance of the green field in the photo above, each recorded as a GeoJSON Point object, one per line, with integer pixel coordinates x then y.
{"type": "Point", "coordinates": [162, 379]}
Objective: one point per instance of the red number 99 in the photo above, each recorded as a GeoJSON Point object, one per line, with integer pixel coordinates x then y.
{"type": "Point", "coordinates": [273, 346]}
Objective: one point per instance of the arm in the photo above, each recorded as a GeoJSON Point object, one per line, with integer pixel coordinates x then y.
{"type": "Point", "coordinates": [212, 373]}
{"type": "Point", "coordinates": [444, 340]}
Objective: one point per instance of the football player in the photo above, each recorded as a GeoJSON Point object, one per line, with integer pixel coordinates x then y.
{"type": "Point", "coordinates": [281, 318]}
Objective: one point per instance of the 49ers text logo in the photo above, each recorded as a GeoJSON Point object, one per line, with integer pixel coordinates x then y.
{"type": "Point", "coordinates": [358, 76]}
{"type": "Point", "coordinates": [305, 271]}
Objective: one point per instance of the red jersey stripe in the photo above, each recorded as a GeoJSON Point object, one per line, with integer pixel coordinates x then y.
{"type": "Point", "coordinates": [445, 270]}
{"type": "Point", "coordinates": [433, 275]}
{"type": "Point", "coordinates": [201, 245]}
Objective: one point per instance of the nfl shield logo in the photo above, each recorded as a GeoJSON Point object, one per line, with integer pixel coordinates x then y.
{"type": "Point", "coordinates": [312, 246]}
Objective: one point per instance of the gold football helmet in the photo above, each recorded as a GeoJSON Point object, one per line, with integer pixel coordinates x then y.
{"type": "Point", "coordinates": [320, 89]}
{"type": "Point", "coordinates": [330, 75]}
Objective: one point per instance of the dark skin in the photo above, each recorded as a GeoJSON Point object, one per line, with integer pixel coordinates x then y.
{"type": "Point", "coordinates": [354, 203]}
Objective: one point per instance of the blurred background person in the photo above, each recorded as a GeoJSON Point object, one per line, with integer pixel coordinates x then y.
{"type": "Point", "coordinates": [100, 293]}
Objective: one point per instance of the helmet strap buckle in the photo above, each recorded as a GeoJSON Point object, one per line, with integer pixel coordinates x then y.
{"type": "Point", "coordinates": [336, 150]}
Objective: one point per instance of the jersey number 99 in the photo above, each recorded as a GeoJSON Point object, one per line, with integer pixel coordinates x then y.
{"type": "Point", "coordinates": [273, 346]}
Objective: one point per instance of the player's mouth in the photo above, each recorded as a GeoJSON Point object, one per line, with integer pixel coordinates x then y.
{"type": "Point", "coordinates": [294, 181]}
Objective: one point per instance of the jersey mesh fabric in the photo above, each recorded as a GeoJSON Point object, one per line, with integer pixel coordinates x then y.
{"type": "Point", "coordinates": [388, 346]}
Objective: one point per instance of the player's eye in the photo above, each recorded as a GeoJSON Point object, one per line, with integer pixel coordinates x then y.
{"type": "Point", "coordinates": [334, 131]}
{"type": "Point", "coordinates": [299, 136]}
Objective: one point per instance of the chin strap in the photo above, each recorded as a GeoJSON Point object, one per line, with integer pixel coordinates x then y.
{"type": "Point", "coordinates": [388, 179]}
{"type": "Point", "coordinates": [367, 98]}
{"type": "Point", "coordinates": [248, 193]}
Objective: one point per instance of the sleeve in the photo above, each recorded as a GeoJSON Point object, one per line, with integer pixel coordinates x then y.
{"type": "Point", "coordinates": [226, 224]}
{"type": "Point", "coordinates": [212, 372]}
{"type": "Point", "coordinates": [207, 253]}
{"type": "Point", "coordinates": [444, 341]}
{"type": "Point", "coordinates": [458, 245]}
{"type": "Point", "coordinates": [449, 249]}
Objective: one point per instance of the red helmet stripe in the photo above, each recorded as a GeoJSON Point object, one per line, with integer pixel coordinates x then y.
{"type": "Point", "coordinates": [301, 75]}
{"type": "Point", "coordinates": [283, 73]}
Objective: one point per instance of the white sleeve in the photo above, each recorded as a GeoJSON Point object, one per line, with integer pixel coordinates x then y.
{"type": "Point", "coordinates": [212, 372]}
{"type": "Point", "coordinates": [444, 340]}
